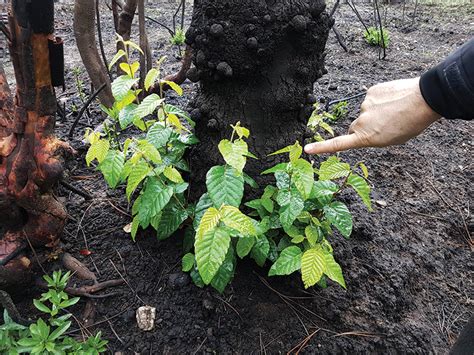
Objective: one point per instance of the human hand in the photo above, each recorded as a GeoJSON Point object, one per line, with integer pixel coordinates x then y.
{"type": "Point", "coordinates": [392, 113]}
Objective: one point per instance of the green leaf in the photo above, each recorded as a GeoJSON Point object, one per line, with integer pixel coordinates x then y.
{"type": "Point", "coordinates": [121, 86]}
{"type": "Point", "coordinates": [172, 216]}
{"type": "Point", "coordinates": [112, 166]}
{"type": "Point", "coordinates": [41, 306]}
{"type": "Point", "coordinates": [260, 250]}
{"type": "Point", "coordinates": [313, 264]}
{"type": "Point", "coordinates": [282, 180]}
{"type": "Point", "coordinates": [116, 58]}
{"type": "Point", "coordinates": [187, 263]}
{"type": "Point", "coordinates": [172, 174]}
{"type": "Point", "coordinates": [249, 181]}
{"type": "Point", "coordinates": [292, 205]}
{"type": "Point", "coordinates": [234, 153]}
{"type": "Point", "coordinates": [267, 204]}
{"type": "Point", "coordinates": [338, 214]}
{"type": "Point", "coordinates": [288, 262]}
{"type": "Point", "coordinates": [233, 218]}
{"type": "Point", "coordinates": [98, 150]}
{"type": "Point", "coordinates": [225, 186]}
{"type": "Point", "coordinates": [332, 169]}
{"type": "Point", "coordinates": [201, 207]}
{"type": "Point", "coordinates": [137, 174]}
{"type": "Point", "coordinates": [312, 234]}
{"type": "Point", "coordinates": [364, 169]}
{"type": "Point", "coordinates": [244, 246]}
{"type": "Point", "coordinates": [323, 189]}
{"type": "Point", "coordinates": [333, 269]}
{"type": "Point", "coordinates": [159, 135]}
{"type": "Point", "coordinates": [360, 185]}
{"type": "Point", "coordinates": [148, 105]}
{"type": "Point", "coordinates": [279, 167]}
{"type": "Point", "coordinates": [295, 151]}
{"type": "Point", "coordinates": [150, 78]}
{"type": "Point", "coordinates": [170, 109]}
{"type": "Point", "coordinates": [211, 249]}
{"type": "Point", "coordinates": [303, 177]}
{"type": "Point", "coordinates": [127, 115]}
{"type": "Point", "coordinates": [155, 196]}
{"type": "Point", "coordinates": [225, 273]}
{"type": "Point", "coordinates": [175, 87]}
{"type": "Point", "coordinates": [149, 151]}
{"type": "Point", "coordinates": [60, 330]}
{"type": "Point", "coordinates": [209, 221]}
{"type": "Point", "coordinates": [241, 131]}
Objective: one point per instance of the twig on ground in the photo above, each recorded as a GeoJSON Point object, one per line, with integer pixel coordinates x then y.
{"type": "Point", "coordinates": [200, 346]}
{"type": "Point", "coordinates": [76, 190]}
{"type": "Point", "coordinates": [301, 345]}
{"type": "Point", "coordinates": [230, 306]}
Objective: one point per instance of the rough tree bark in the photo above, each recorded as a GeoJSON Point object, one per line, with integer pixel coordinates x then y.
{"type": "Point", "coordinates": [84, 31]}
{"type": "Point", "coordinates": [31, 158]}
{"type": "Point", "coordinates": [257, 61]}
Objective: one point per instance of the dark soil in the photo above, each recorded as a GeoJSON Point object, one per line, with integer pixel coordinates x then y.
{"type": "Point", "coordinates": [408, 265]}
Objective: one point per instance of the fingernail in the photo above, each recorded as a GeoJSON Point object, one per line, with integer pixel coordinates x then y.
{"type": "Point", "coordinates": [307, 148]}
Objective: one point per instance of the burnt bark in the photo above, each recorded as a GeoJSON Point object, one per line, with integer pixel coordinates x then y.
{"type": "Point", "coordinates": [256, 62]}
{"type": "Point", "coordinates": [31, 157]}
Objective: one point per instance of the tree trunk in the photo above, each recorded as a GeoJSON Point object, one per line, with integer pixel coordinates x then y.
{"type": "Point", "coordinates": [84, 31]}
{"type": "Point", "coordinates": [30, 156]}
{"type": "Point", "coordinates": [256, 62]}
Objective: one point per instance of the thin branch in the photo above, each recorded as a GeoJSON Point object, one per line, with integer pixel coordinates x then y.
{"type": "Point", "coordinates": [83, 109]}
{"type": "Point", "coordinates": [101, 42]}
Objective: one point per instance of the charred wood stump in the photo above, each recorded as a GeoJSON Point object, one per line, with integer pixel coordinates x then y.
{"type": "Point", "coordinates": [31, 157]}
{"type": "Point", "coordinates": [256, 62]}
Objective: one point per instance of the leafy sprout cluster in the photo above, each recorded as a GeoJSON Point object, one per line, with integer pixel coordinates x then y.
{"type": "Point", "coordinates": [154, 159]}
{"type": "Point", "coordinates": [374, 37]}
{"type": "Point", "coordinates": [48, 337]}
{"type": "Point", "coordinates": [291, 226]}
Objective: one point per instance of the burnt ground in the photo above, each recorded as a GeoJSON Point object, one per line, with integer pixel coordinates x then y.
{"type": "Point", "coordinates": [408, 265]}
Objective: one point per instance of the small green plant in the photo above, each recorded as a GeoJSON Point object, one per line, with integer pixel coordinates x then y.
{"type": "Point", "coordinates": [320, 120]}
{"type": "Point", "coordinates": [48, 337]}
{"type": "Point", "coordinates": [179, 37]}
{"type": "Point", "coordinates": [372, 36]}
{"type": "Point", "coordinates": [339, 111]}
{"type": "Point", "coordinates": [292, 222]}
{"type": "Point", "coordinates": [76, 71]}
{"type": "Point", "coordinates": [150, 162]}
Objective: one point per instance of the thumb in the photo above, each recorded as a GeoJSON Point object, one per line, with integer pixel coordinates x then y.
{"type": "Point", "coordinates": [334, 145]}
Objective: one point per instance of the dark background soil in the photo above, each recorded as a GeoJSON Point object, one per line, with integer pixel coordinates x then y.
{"type": "Point", "coordinates": [408, 265]}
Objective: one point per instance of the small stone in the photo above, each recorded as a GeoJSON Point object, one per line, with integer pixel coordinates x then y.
{"type": "Point", "coordinates": [209, 332]}
{"type": "Point", "coordinates": [178, 280]}
{"type": "Point", "coordinates": [381, 203]}
{"type": "Point", "coordinates": [224, 69]}
{"type": "Point", "coordinates": [146, 318]}
{"type": "Point", "coordinates": [216, 30]}
{"type": "Point", "coordinates": [267, 18]}
{"type": "Point", "coordinates": [252, 43]}
{"type": "Point", "coordinates": [332, 87]}
{"type": "Point", "coordinates": [299, 23]}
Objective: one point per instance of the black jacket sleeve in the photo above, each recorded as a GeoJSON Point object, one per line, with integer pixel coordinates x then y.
{"type": "Point", "coordinates": [448, 88]}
